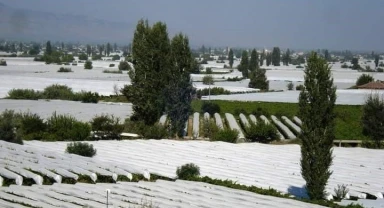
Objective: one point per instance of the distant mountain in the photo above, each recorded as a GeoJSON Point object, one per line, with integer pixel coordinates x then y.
{"type": "Point", "coordinates": [20, 24]}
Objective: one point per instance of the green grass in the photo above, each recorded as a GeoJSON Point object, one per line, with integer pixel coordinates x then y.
{"type": "Point", "coordinates": [348, 117]}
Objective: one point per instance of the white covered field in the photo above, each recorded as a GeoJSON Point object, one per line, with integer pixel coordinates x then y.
{"type": "Point", "coordinates": [25, 73]}
{"type": "Point", "coordinates": [276, 166]}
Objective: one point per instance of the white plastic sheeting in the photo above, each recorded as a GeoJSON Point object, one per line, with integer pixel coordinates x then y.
{"type": "Point", "coordinates": [232, 123]}
{"type": "Point", "coordinates": [265, 119]}
{"type": "Point", "coordinates": [196, 122]}
{"type": "Point", "coordinates": [163, 119]}
{"type": "Point", "coordinates": [297, 120]}
{"type": "Point", "coordinates": [283, 127]}
{"type": "Point", "coordinates": [207, 116]}
{"type": "Point", "coordinates": [253, 118]}
{"type": "Point", "coordinates": [290, 123]}
{"type": "Point", "coordinates": [183, 194]}
{"type": "Point", "coordinates": [219, 122]}
{"type": "Point", "coordinates": [244, 120]}
{"type": "Point", "coordinates": [249, 163]}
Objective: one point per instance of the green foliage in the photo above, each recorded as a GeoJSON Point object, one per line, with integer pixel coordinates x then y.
{"type": "Point", "coordinates": [88, 65]}
{"type": "Point", "coordinates": [115, 57]}
{"type": "Point", "coordinates": [3, 62]}
{"type": "Point", "coordinates": [364, 79]}
{"type": "Point", "coordinates": [81, 148]}
{"type": "Point", "coordinates": [290, 86]}
{"type": "Point", "coordinates": [316, 110]}
{"type": "Point", "coordinates": [112, 71]}
{"type": "Point", "coordinates": [380, 69]}
{"type": "Point", "coordinates": [226, 135]}
{"type": "Point", "coordinates": [48, 48]}
{"type": "Point", "coordinates": [155, 131]}
{"type": "Point", "coordinates": [111, 65]}
{"type": "Point", "coordinates": [261, 132]}
{"type": "Point", "coordinates": [262, 57]}
{"type": "Point", "coordinates": [258, 80]}
{"type": "Point", "coordinates": [32, 127]}
{"type": "Point", "coordinates": [344, 66]}
{"type": "Point", "coordinates": [66, 128]}
{"type": "Point", "coordinates": [124, 66]}
{"type": "Point", "coordinates": [86, 97]}
{"type": "Point", "coordinates": [188, 171]}
{"type": "Point", "coordinates": [234, 79]}
{"type": "Point", "coordinates": [268, 59]}
{"type": "Point", "coordinates": [209, 128]}
{"type": "Point", "coordinates": [244, 64]}
{"type": "Point", "coordinates": [299, 67]}
{"type": "Point", "coordinates": [8, 126]}
{"type": "Point", "coordinates": [96, 57]}
{"type": "Point", "coordinates": [287, 58]}
{"type": "Point", "coordinates": [208, 70]}
{"type": "Point", "coordinates": [212, 91]}
{"type": "Point", "coordinates": [83, 57]}
{"type": "Point", "coordinates": [210, 108]}
{"type": "Point", "coordinates": [63, 69]}
{"type": "Point", "coordinates": [254, 62]}
{"type": "Point", "coordinates": [355, 64]}
{"type": "Point", "coordinates": [373, 119]}
{"type": "Point", "coordinates": [341, 191]}
{"type": "Point", "coordinates": [208, 80]}
{"type": "Point", "coordinates": [275, 56]}
{"type": "Point", "coordinates": [299, 87]}
{"type": "Point", "coordinates": [57, 91]}
{"type": "Point", "coordinates": [106, 127]}
{"type": "Point", "coordinates": [299, 60]}
{"type": "Point", "coordinates": [230, 58]}
{"type": "Point", "coordinates": [24, 94]}
{"type": "Point", "coordinates": [377, 57]}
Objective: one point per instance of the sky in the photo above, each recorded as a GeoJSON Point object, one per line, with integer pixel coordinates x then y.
{"type": "Point", "coordinates": [300, 24]}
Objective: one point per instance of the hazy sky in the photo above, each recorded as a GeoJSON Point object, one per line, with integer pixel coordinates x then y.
{"type": "Point", "coordinates": [306, 24]}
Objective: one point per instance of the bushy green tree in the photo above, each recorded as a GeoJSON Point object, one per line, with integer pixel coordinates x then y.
{"type": "Point", "coordinates": [276, 56]}
{"type": "Point", "coordinates": [88, 65]}
{"type": "Point", "coordinates": [9, 122]}
{"type": "Point", "coordinates": [244, 64]}
{"type": "Point", "coordinates": [364, 79]}
{"type": "Point", "coordinates": [187, 171]}
{"type": "Point", "coordinates": [254, 62]}
{"type": "Point", "coordinates": [230, 57]}
{"type": "Point", "coordinates": [258, 79]}
{"type": "Point", "coordinates": [124, 66]}
{"type": "Point", "coordinates": [373, 119]}
{"type": "Point", "coordinates": [316, 110]}
{"type": "Point", "coordinates": [83, 56]}
{"type": "Point", "coordinates": [81, 148]}
{"type": "Point", "coordinates": [355, 63]}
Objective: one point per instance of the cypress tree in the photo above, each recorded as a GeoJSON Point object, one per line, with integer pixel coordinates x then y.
{"type": "Point", "coordinates": [108, 50]}
{"type": "Point", "coordinates": [327, 56]}
{"type": "Point", "coordinates": [48, 49]}
{"type": "Point", "coordinates": [89, 50]}
{"type": "Point", "coordinates": [377, 57]}
{"type": "Point", "coordinates": [276, 56]}
{"type": "Point", "coordinates": [244, 64]}
{"type": "Point", "coordinates": [269, 59]}
{"type": "Point", "coordinates": [287, 58]}
{"type": "Point", "coordinates": [262, 57]}
{"type": "Point", "coordinates": [316, 109]}
{"type": "Point", "coordinates": [254, 62]}
{"type": "Point", "coordinates": [179, 88]}
{"type": "Point", "coordinates": [230, 57]}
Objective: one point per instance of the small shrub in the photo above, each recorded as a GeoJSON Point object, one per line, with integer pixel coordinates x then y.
{"type": "Point", "coordinates": [24, 94]}
{"type": "Point", "coordinates": [260, 112]}
{"type": "Point", "coordinates": [111, 65]}
{"type": "Point", "coordinates": [188, 171]}
{"type": "Point", "coordinates": [234, 79]}
{"type": "Point", "coordinates": [299, 87]}
{"type": "Point", "coordinates": [156, 131]}
{"type": "Point", "coordinates": [290, 86]}
{"type": "Point", "coordinates": [62, 69]}
{"type": "Point", "coordinates": [57, 91]}
{"type": "Point", "coordinates": [364, 79]}
{"type": "Point", "coordinates": [81, 148]}
{"type": "Point", "coordinates": [106, 127]}
{"type": "Point", "coordinates": [340, 192]}
{"type": "Point", "coordinates": [344, 66]}
{"type": "Point", "coordinates": [208, 80]}
{"type": "Point", "coordinates": [209, 128]}
{"type": "Point", "coordinates": [32, 127]}
{"type": "Point", "coordinates": [124, 66]}
{"type": "Point", "coordinates": [88, 65]}
{"type": "Point", "coordinates": [299, 67]}
{"type": "Point", "coordinates": [380, 69]}
{"type": "Point", "coordinates": [86, 97]}
{"type": "Point", "coordinates": [210, 108]}
{"type": "Point", "coordinates": [208, 70]}
{"type": "Point", "coordinates": [226, 135]}
{"type": "Point", "coordinates": [66, 128]}
{"type": "Point", "coordinates": [381, 64]}
{"type": "Point", "coordinates": [83, 57]}
{"type": "Point", "coordinates": [8, 126]}
{"type": "Point", "coordinates": [238, 111]}
{"type": "Point", "coordinates": [3, 62]}
{"type": "Point", "coordinates": [113, 71]}
{"type": "Point", "coordinates": [74, 64]}
{"type": "Point", "coordinates": [212, 91]}
{"type": "Point", "coordinates": [261, 132]}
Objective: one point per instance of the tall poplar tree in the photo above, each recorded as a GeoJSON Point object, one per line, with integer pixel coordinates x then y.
{"type": "Point", "coordinates": [262, 57]}
{"type": "Point", "coordinates": [244, 64]}
{"type": "Point", "coordinates": [316, 110]}
{"type": "Point", "coordinates": [276, 56]}
{"type": "Point", "coordinates": [108, 50]}
{"type": "Point", "coordinates": [48, 48]}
